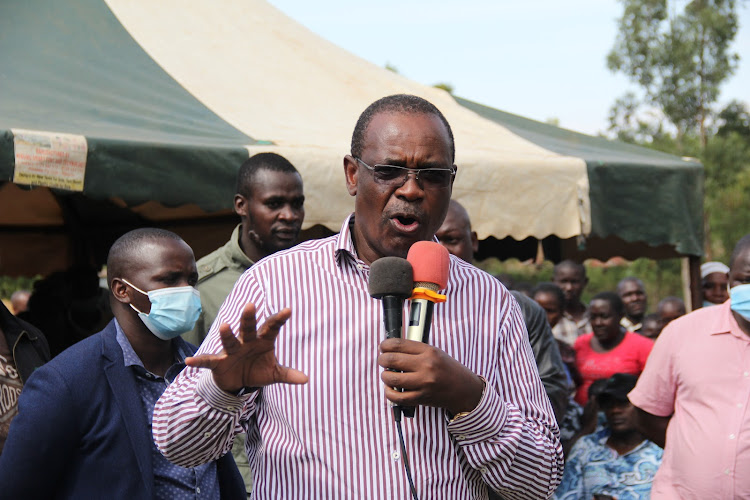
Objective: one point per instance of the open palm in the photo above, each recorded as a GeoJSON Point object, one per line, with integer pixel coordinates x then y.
{"type": "Point", "coordinates": [249, 359]}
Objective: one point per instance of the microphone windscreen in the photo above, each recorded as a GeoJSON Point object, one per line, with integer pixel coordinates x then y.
{"type": "Point", "coordinates": [430, 262]}
{"type": "Point", "coordinates": [391, 276]}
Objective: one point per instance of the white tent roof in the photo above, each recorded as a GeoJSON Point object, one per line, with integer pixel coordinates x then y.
{"type": "Point", "coordinates": [273, 79]}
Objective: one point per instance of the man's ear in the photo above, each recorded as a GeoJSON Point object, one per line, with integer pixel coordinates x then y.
{"type": "Point", "coordinates": [351, 170]}
{"type": "Point", "coordinates": [474, 242]}
{"type": "Point", "coordinates": [240, 205]}
{"type": "Point", "coordinates": [120, 290]}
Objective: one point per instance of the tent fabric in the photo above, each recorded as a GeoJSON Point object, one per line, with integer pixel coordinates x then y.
{"type": "Point", "coordinates": [622, 181]}
{"type": "Point", "coordinates": [303, 65]}
{"type": "Point", "coordinates": [171, 96]}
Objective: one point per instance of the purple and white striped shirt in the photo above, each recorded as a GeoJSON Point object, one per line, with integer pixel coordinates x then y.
{"type": "Point", "coordinates": [335, 437]}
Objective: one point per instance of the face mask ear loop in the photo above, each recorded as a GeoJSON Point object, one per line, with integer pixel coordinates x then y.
{"type": "Point", "coordinates": [134, 288]}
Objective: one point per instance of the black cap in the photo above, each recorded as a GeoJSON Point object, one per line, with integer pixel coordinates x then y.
{"type": "Point", "coordinates": [617, 387]}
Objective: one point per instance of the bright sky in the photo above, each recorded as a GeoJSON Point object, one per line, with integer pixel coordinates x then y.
{"type": "Point", "coordinates": [540, 59]}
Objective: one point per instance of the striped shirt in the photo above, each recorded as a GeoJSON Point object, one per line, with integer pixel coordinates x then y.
{"type": "Point", "coordinates": [334, 437]}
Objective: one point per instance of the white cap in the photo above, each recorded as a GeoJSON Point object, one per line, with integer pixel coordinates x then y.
{"type": "Point", "coordinates": [713, 267]}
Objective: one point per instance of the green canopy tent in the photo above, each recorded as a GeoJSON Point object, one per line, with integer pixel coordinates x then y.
{"type": "Point", "coordinates": [117, 114]}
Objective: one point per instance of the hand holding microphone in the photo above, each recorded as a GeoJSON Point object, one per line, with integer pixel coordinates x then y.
{"type": "Point", "coordinates": [423, 374]}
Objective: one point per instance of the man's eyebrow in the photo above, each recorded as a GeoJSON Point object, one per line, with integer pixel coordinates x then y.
{"type": "Point", "coordinates": [425, 164]}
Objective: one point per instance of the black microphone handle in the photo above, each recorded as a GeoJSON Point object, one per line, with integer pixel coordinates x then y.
{"type": "Point", "coordinates": [393, 314]}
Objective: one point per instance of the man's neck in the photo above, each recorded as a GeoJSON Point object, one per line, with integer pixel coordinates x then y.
{"type": "Point", "coordinates": [635, 319]}
{"type": "Point", "coordinates": [155, 353]}
{"type": "Point", "coordinates": [742, 323]}
{"type": "Point", "coordinates": [625, 442]}
{"type": "Point", "coordinates": [577, 310]}
{"type": "Point", "coordinates": [250, 247]}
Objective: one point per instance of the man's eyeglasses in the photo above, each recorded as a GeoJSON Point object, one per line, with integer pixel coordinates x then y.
{"type": "Point", "coordinates": [428, 178]}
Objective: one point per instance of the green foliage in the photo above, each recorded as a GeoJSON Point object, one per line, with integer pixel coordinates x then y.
{"type": "Point", "coordinates": [678, 59]}
{"type": "Point", "coordinates": [735, 118]}
{"type": "Point", "coordinates": [8, 285]}
{"type": "Point", "coordinates": [661, 278]}
{"type": "Point", "coordinates": [445, 86]}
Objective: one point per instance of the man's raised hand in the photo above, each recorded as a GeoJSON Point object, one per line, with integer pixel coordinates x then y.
{"type": "Point", "coordinates": [249, 360]}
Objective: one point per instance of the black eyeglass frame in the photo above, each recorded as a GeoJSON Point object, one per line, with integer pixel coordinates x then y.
{"type": "Point", "coordinates": [425, 183]}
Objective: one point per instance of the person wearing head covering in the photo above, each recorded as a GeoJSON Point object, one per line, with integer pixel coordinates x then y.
{"type": "Point", "coordinates": [714, 281]}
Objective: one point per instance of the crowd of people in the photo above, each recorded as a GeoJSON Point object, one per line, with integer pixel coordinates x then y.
{"type": "Point", "coordinates": [290, 394]}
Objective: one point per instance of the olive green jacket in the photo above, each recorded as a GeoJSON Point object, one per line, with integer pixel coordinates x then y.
{"type": "Point", "coordinates": [217, 274]}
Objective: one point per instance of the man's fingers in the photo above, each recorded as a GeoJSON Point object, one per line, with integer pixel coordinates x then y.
{"type": "Point", "coordinates": [228, 340]}
{"type": "Point", "coordinates": [269, 330]}
{"type": "Point", "coordinates": [247, 322]}
{"type": "Point", "coordinates": [406, 381]}
{"type": "Point", "coordinates": [209, 361]}
{"type": "Point", "coordinates": [402, 345]}
{"type": "Point", "coordinates": [291, 376]}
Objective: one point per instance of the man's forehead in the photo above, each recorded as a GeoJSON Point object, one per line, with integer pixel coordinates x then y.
{"type": "Point", "coordinates": [741, 263]}
{"type": "Point", "coordinates": [568, 273]}
{"type": "Point", "coordinates": [631, 286]}
{"type": "Point", "coordinates": [397, 128]}
{"type": "Point", "coordinates": [265, 180]}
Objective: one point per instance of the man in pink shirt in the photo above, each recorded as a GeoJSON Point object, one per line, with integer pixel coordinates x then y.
{"type": "Point", "coordinates": [693, 397]}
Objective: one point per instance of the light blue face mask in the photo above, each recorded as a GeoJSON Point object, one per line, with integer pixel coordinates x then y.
{"type": "Point", "coordinates": [740, 297]}
{"type": "Point", "coordinates": [174, 310]}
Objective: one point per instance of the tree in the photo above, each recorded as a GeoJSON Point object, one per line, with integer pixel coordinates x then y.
{"type": "Point", "coordinates": [678, 59]}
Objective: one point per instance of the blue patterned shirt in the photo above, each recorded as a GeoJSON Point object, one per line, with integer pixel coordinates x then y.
{"type": "Point", "coordinates": [594, 468]}
{"type": "Point", "coordinates": [171, 482]}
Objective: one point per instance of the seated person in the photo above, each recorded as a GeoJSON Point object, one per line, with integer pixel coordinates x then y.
{"type": "Point", "coordinates": [83, 428]}
{"type": "Point", "coordinates": [614, 462]}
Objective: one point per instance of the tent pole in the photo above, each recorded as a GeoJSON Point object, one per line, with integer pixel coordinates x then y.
{"type": "Point", "coordinates": [691, 280]}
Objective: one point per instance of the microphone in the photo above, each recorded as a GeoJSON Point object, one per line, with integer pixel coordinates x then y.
{"type": "Point", "coordinates": [391, 280]}
{"type": "Point", "coordinates": [430, 262]}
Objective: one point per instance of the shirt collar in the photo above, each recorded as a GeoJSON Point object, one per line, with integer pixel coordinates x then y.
{"type": "Point", "coordinates": [179, 348]}
{"type": "Point", "coordinates": [345, 244]}
{"type": "Point", "coordinates": [345, 250]}
{"type": "Point", "coordinates": [725, 322]}
{"type": "Point", "coordinates": [235, 250]}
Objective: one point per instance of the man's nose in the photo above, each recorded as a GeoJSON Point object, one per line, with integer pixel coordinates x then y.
{"type": "Point", "coordinates": [412, 187]}
{"type": "Point", "coordinates": [289, 213]}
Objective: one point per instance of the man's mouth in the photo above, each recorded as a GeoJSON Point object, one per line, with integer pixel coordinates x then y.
{"type": "Point", "coordinates": [405, 223]}
{"type": "Point", "coordinates": [286, 233]}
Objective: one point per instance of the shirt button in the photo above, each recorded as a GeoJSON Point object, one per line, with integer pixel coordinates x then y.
{"type": "Point", "coordinates": [198, 490]}
{"type": "Point", "coordinates": [746, 374]}
{"type": "Point", "coordinates": [461, 437]}
{"type": "Point", "coordinates": [731, 436]}
{"type": "Point", "coordinates": [206, 434]}
{"type": "Point", "coordinates": [739, 405]}
{"type": "Point", "coordinates": [483, 470]}
{"type": "Point", "coordinates": [395, 455]}
{"type": "Point", "coordinates": [230, 408]}
{"type": "Point", "coordinates": [727, 472]}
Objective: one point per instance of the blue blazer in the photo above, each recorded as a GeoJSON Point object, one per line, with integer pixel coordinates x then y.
{"type": "Point", "coordinates": [81, 431]}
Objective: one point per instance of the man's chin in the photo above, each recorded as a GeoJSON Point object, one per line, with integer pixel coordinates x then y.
{"type": "Point", "coordinates": [278, 245]}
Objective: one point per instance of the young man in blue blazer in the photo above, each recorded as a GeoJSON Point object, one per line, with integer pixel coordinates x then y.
{"type": "Point", "coordinates": [83, 428]}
